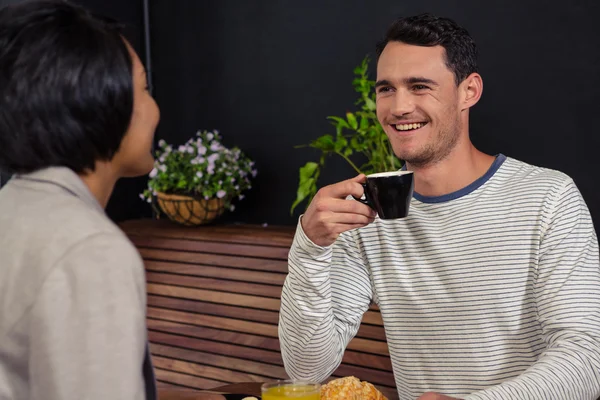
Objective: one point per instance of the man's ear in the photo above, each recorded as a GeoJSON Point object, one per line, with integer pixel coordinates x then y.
{"type": "Point", "coordinates": [470, 90]}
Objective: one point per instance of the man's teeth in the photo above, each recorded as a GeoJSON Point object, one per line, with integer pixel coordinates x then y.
{"type": "Point", "coordinates": [408, 127]}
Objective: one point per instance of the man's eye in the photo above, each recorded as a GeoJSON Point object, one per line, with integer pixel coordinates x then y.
{"type": "Point", "coordinates": [384, 89]}
{"type": "Point", "coordinates": [420, 87]}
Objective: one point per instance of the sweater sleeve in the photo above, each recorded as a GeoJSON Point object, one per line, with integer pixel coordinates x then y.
{"type": "Point", "coordinates": [88, 331]}
{"type": "Point", "coordinates": [324, 297]}
{"type": "Point", "coordinates": [567, 291]}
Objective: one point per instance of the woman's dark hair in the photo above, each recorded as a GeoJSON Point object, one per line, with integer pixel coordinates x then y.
{"type": "Point", "coordinates": [66, 87]}
{"type": "Point", "coordinates": [429, 30]}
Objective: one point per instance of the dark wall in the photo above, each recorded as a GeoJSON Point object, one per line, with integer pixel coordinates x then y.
{"type": "Point", "coordinates": [267, 73]}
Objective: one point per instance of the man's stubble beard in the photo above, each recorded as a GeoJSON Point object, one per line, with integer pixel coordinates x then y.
{"type": "Point", "coordinates": [433, 153]}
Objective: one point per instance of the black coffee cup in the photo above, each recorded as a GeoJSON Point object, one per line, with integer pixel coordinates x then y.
{"type": "Point", "coordinates": [389, 193]}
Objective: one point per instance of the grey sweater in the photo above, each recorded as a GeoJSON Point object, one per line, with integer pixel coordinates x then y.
{"type": "Point", "coordinates": [72, 295]}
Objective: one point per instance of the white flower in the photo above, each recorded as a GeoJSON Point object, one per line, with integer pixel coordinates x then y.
{"type": "Point", "coordinates": [210, 136]}
{"type": "Point", "coordinates": [189, 149]}
{"type": "Point", "coordinates": [194, 161]}
{"type": "Point", "coordinates": [163, 168]}
{"type": "Point", "coordinates": [254, 172]}
{"type": "Point", "coordinates": [149, 200]}
{"type": "Point", "coordinates": [142, 196]}
{"type": "Point", "coordinates": [162, 143]}
{"type": "Point", "coordinates": [199, 174]}
{"type": "Point", "coordinates": [215, 146]}
{"type": "Point", "coordinates": [211, 169]}
{"type": "Point", "coordinates": [241, 197]}
{"type": "Point", "coordinates": [212, 158]}
{"type": "Point", "coordinates": [232, 207]}
{"type": "Point", "coordinates": [181, 149]}
{"type": "Point", "coordinates": [153, 173]}
{"type": "Point", "coordinates": [162, 158]}
{"type": "Point", "coordinates": [202, 150]}
{"type": "Point", "coordinates": [168, 149]}
{"type": "Point", "coordinates": [221, 194]}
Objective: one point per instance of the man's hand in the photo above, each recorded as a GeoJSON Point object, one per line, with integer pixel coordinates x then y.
{"type": "Point", "coordinates": [435, 396]}
{"type": "Point", "coordinates": [330, 214]}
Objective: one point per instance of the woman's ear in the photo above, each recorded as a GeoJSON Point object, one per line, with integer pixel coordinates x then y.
{"type": "Point", "coordinates": [470, 90]}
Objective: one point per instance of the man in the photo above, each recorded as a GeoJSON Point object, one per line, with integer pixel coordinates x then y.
{"type": "Point", "coordinates": [489, 289]}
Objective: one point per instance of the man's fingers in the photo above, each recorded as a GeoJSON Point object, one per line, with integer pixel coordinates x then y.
{"type": "Point", "coordinates": [348, 219]}
{"type": "Point", "coordinates": [344, 206]}
{"type": "Point", "coordinates": [343, 189]}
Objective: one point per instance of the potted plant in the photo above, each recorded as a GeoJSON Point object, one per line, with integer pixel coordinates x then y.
{"type": "Point", "coordinates": [358, 136]}
{"type": "Point", "coordinates": [197, 181]}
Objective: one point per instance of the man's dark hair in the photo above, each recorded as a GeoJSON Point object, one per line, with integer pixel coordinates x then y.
{"type": "Point", "coordinates": [66, 88]}
{"type": "Point", "coordinates": [429, 30]}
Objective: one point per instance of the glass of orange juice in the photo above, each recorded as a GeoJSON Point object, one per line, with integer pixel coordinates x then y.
{"type": "Point", "coordinates": [291, 389]}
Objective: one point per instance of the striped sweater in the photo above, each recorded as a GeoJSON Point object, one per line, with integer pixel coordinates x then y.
{"type": "Point", "coordinates": [491, 292]}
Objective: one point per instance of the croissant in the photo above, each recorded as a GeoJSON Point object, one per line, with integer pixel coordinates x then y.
{"type": "Point", "coordinates": [351, 388]}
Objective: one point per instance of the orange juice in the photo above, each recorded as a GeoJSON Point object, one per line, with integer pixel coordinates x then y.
{"type": "Point", "coordinates": [287, 390]}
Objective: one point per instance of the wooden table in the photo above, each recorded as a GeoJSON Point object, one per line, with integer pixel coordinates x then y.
{"type": "Point", "coordinates": [249, 388]}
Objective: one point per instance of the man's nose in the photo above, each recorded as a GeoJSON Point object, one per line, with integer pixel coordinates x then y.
{"type": "Point", "coordinates": [403, 104]}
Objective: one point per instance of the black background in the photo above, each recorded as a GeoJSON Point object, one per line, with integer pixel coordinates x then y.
{"type": "Point", "coordinates": [266, 73]}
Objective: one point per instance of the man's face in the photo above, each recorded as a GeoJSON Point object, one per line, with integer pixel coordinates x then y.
{"type": "Point", "coordinates": [418, 102]}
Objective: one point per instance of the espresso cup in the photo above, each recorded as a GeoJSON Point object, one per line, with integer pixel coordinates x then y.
{"type": "Point", "coordinates": [389, 193]}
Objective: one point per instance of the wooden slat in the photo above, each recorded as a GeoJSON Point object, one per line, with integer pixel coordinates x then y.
{"type": "Point", "coordinates": [214, 322]}
{"type": "Point", "coordinates": [258, 264]}
{"type": "Point", "coordinates": [232, 298]}
{"type": "Point", "coordinates": [200, 307]}
{"type": "Point", "coordinates": [268, 371]}
{"type": "Point", "coordinates": [373, 318]}
{"type": "Point", "coordinates": [224, 349]}
{"type": "Point", "coordinates": [270, 235]}
{"type": "Point", "coordinates": [184, 380]}
{"type": "Point", "coordinates": [218, 285]}
{"type": "Point", "coordinates": [208, 271]}
{"type": "Point", "coordinates": [204, 371]}
{"type": "Point", "coordinates": [208, 246]}
{"type": "Point", "coordinates": [242, 339]}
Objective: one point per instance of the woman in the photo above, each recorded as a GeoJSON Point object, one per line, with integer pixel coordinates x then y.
{"type": "Point", "coordinates": [75, 116]}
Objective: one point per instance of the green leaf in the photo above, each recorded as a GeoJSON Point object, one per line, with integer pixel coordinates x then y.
{"type": "Point", "coordinates": [340, 143]}
{"type": "Point", "coordinates": [308, 170]}
{"type": "Point", "coordinates": [339, 121]}
{"type": "Point", "coordinates": [364, 124]}
{"type": "Point", "coordinates": [352, 120]}
{"type": "Point", "coordinates": [324, 143]}
{"type": "Point", "coordinates": [370, 104]}
{"type": "Point", "coordinates": [307, 188]}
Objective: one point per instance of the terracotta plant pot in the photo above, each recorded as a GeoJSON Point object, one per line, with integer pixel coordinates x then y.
{"type": "Point", "coordinates": [188, 210]}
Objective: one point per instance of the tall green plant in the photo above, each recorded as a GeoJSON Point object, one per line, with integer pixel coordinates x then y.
{"type": "Point", "coordinates": [358, 133]}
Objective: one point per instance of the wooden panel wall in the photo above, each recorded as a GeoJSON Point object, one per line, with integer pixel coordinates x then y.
{"type": "Point", "coordinates": [213, 304]}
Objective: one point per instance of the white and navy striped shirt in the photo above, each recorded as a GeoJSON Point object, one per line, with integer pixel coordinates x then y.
{"type": "Point", "coordinates": [491, 292]}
